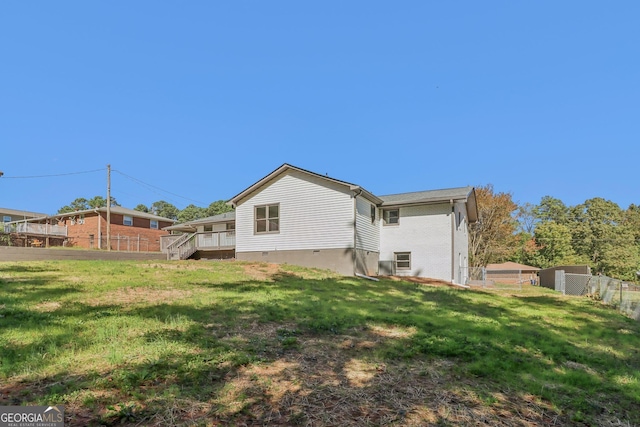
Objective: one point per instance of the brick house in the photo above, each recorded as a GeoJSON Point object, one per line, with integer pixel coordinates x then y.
{"type": "Point", "coordinates": [131, 230]}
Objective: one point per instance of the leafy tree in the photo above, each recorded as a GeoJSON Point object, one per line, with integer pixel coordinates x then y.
{"type": "Point", "coordinates": [553, 245]}
{"type": "Point", "coordinates": [101, 202]}
{"type": "Point", "coordinates": [82, 204]}
{"type": "Point", "coordinates": [605, 234]}
{"type": "Point", "coordinates": [164, 209]}
{"type": "Point", "coordinates": [551, 209]}
{"type": "Point", "coordinates": [492, 238]}
{"type": "Point", "coordinates": [594, 224]}
{"type": "Point", "coordinates": [631, 220]}
{"type": "Point", "coordinates": [79, 204]}
{"type": "Point", "coordinates": [191, 212]}
{"type": "Point", "coordinates": [141, 208]}
{"type": "Point", "coordinates": [527, 218]}
{"type": "Point", "coordinates": [218, 207]}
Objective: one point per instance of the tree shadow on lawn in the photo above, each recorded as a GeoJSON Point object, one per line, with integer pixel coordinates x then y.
{"type": "Point", "coordinates": [533, 358]}
{"type": "Point", "coordinates": [349, 352]}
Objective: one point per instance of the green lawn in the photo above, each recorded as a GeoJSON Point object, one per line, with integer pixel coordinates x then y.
{"type": "Point", "coordinates": [226, 343]}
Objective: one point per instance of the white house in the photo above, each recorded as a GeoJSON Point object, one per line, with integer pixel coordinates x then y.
{"type": "Point", "coordinates": [300, 217]}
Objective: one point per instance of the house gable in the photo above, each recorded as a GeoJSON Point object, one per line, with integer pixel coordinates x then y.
{"type": "Point", "coordinates": [287, 168]}
{"type": "Point", "coordinates": [314, 213]}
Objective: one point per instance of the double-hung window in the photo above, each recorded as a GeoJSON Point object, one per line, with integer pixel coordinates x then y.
{"type": "Point", "coordinates": [153, 224]}
{"type": "Point", "coordinates": [127, 220]}
{"type": "Point", "coordinates": [267, 219]}
{"type": "Point", "coordinates": [403, 260]}
{"type": "Point", "coordinates": [391, 216]}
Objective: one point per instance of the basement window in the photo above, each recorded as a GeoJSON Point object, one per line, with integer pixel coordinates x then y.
{"type": "Point", "coordinates": [403, 260]}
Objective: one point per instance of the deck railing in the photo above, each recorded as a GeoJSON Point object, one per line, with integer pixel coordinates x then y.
{"type": "Point", "coordinates": [216, 240]}
{"type": "Point", "coordinates": [32, 228]}
{"type": "Point", "coordinates": [185, 245]}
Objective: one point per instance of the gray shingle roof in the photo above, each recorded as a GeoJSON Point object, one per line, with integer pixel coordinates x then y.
{"type": "Point", "coordinates": [16, 212]}
{"type": "Point", "coordinates": [224, 217]}
{"type": "Point", "coordinates": [426, 196]}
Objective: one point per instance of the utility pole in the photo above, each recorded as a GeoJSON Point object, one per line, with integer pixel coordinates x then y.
{"type": "Point", "coordinates": [108, 207]}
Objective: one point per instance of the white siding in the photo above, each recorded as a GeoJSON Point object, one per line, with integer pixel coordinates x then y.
{"type": "Point", "coordinates": [220, 227]}
{"type": "Point", "coordinates": [216, 227]}
{"type": "Point", "coordinates": [367, 233]}
{"type": "Point", "coordinates": [314, 214]}
{"type": "Point", "coordinates": [425, 231]}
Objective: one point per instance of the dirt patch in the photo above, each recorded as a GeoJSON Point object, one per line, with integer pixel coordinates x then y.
{"type": "Point", "coordinates": [48, 306]}
{"type": "Point", "coordinates": [261, 271]}
{"type": "Point", "coordinates": [332, 380]}
{"type": "Point", "coordinates": [323, 381]}
{"type": "Point", "coordinates": [319, 386]}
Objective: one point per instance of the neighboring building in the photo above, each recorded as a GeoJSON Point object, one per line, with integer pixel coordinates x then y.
{"type": "Point", "coordinates": [511, 272]}
{"type": "Point", "coordinates": [548, 275]}
{"type": "Point", "coordinates": [131, 230]}
{"type": "Point", "coordinates": [10, 219]}
{"type": "Point", "coordinates": [300, 217]}
{"type": "Point", "coordinates": [10, 215]}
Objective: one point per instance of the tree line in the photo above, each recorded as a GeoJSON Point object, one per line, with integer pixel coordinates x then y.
{"type": "Point", "coordinates": [598, 233]}
{"type": "Point", "coordinates": [159, 208]}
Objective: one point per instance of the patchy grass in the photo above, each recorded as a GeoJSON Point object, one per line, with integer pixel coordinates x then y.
{"type": "Point", "coordinates": [229, 343]}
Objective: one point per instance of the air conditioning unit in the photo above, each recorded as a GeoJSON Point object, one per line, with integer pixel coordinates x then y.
{"type": "Point", "coordinates": [387, 268]}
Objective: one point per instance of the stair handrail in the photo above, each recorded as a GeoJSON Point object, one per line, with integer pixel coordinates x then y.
{"type": "Point", "coordinates": [175, 246]}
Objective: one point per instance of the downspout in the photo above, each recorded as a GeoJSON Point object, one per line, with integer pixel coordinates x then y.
{"type": "Point", "coordinates": [453, 249]}
{"type": "Point", "coordinates": [355, 229]}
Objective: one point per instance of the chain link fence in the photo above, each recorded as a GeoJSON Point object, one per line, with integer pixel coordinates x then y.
{"type": "Point", "coordinates": [572, 283]}
{"type": "Point", "coordinates": [621, 295]}
{"type": "Point", "coordinates": [497, 279]}
{"type": "Point", "coordinates": [624, 296]}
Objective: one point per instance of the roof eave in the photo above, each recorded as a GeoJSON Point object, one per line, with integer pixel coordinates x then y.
{"type": "Point", "coordinates": [472, 206]}
{"type": "Point", "coordinates": [238, 197]}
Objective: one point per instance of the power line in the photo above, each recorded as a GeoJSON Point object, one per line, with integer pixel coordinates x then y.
{"type": "Point", "coordinates": [52, 175]}
{"type": "Point", "coordinates": [157, 188]}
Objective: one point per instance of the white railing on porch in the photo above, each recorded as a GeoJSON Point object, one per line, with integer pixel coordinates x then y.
{"type": "Point", "coordinates": [31, 228]}
{"type": "Point", "coordinates": [185, 245]}
{"type": "Point", "coordinates": [216, 240]}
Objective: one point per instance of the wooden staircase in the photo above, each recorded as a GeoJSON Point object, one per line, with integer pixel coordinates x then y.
{"type": "Point", "coordinates": [183, 247]}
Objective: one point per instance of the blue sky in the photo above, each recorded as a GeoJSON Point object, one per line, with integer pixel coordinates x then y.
{"type": "Point", "coordinates": [200, 99]}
